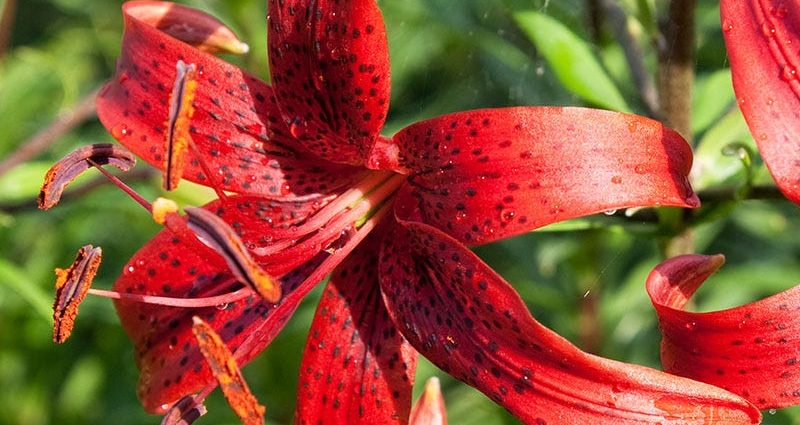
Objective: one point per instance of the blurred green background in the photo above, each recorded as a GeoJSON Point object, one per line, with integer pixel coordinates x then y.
{"type": "Point", "coordinates": [584, 279]}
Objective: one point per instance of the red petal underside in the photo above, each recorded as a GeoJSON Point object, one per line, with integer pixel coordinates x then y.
{"type": "Point", "coordinates": [356, 367]}
{"type": "Point", "coordinates": [429, 408]}
{"type": "Point", "coordinates": [751, 350]}
{"type": "Point", "coordinates": [329, 62]}
{"type": "Point", "coordinates": [761, 37]}
{"type": "Point", "coordinates": [166, 352]}
{"type": "Point", "coordinates": [489, 174]}
{"type": "Point", "coordinates": [236, 126]}
{"type": "Point", "coordinates": [467, 320]}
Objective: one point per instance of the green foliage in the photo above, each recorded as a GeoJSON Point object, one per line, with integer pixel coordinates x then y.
{"type": "Point", "coordinates": [446, 56]}
{"type": "Point", "coordinates": [571, 60]}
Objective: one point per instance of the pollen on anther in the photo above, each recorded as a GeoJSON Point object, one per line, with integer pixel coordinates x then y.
{"type": "Point", "coordinates": [72, 285]}
{"type": "Point", "coordinates": [177, 137]}
{"type": "Point", "coordinates": [224, 368]}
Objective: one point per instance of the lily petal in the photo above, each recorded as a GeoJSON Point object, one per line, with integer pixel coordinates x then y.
{"type": "Point", "coordinates": [429, 408]}
{"type": "Point", "coordinates": [189, 25]}
{"type": "Point", "coordinates": [356, 368]}
{"type": "Point", "coordinates": [490, 174]}
{"type": "Point", "coordinates": [467, 320]}
{"type": "Point", "coordinates": [751, 350]}
{"type": "Point", "coordinates": [759, 35]}
{"type": "Point", "coordinates": [169, 266]}
{"type": "Point", "coordinates": [329, 62]}
{"type": "Point", "coordinates": [237, 134]}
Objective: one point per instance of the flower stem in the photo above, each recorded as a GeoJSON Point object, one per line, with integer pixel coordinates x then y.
{"type": "Point", "coordinates": [675, 81]}
{"type": "Point", "coordinates": [676, 66]}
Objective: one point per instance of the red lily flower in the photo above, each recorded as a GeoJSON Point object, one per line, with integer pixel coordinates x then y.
{"type": "Point", "coordinates": [760, 36]}
{"type": "Point", "coordinates": [304, 178]}
{"type": "Point", "coordinates": [750, 350]}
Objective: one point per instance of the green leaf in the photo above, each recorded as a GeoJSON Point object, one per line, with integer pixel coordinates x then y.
{"type": "Point", "coordinates": [712, 97]}
{"type": "Point", "coordinates": [711, 166]}
{"type": "Point", "coordinates": [14, 277]}
{"type": "Point", "coordinates": [571, 60]}
{"type": "Point", "coordinates": [23, 182]}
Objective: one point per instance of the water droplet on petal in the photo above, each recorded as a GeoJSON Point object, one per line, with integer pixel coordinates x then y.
{"type": "Point", "coordinates": [767, 30]}
{"type": "Point", "coordinates": [610, 212]}
{"type": "Point", "coordinates": [788, 73]}
{"type": "Point", "coordinates": [120, 131]}
{"type": "Point", "coordinates": [690, 326]}
{"type": "Point", "coordinates": [727, 25]}
{"type": "Point", "coordinates": [640, 169]}
{"type": "Point", "coordinates": [461, 215]}
{"type": "Point", "coordinates": [123, 77]}
{"type": "Point", "coordinates": [616, 179]}
{"type": "Point", "coordinates": [507, 215]}
{"type": "Point", "coordinates": [222, 306]}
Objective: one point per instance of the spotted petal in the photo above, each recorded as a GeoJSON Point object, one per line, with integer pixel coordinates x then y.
{"type": "Point", "coordinates": [329, 62]}
{"type": "Point", "coordinates": [751, 350]}
{"type": "Point", "coordinates": [172, 266]}
{"type": "Point", "coordinates": [356, 367]}
{"type": "Point", "coordinates": [489, 174]}
{"type": "Point", "coordinates": [235, 126]}
{"type": "Point", "coordinates": [760, 36]}
{"type": "Point", "coordinates": [467, 320]}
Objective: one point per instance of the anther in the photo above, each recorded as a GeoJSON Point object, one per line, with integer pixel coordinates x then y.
{"type": "Point", "coordinates": [72, 284]}
{"type": "Point", "coordinates": [180, 115]}
{"type": "Point", "coordinates": [60, 175]}
{"type": "Point", "coordinates": [224, 368]}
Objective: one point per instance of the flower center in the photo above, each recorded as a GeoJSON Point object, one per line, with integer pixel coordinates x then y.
{"type": "Point", "coordinates": [337, 228]}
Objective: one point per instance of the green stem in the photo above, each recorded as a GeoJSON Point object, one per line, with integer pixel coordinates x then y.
{"type": "Point", "coordinates": [676, 67]}
{"type": "Point", "coordinates": [675, 81]}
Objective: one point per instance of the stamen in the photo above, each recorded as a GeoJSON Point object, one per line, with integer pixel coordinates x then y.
{"type": "Point", "coordinates": [162, 207]}
{"type": "Point", "coordinates": [185, 411]}
{"type": "Point", "coordinates": [72, 285]}
{"type": "Point", "coordinates": [335, 225]}
{"type": "Point", "coordinates": [180, 115]}
{"type": "Point", "coordinates": [60, 175]}
{"type": "Point", "coordinates": [226, 371]}
{"type": "Point", "coordinates": [341, 202]}
{"type": "Point", "coordinates": [319, 273]}
{"type": "Point", "coordinates": [178, 137]}
{"type": "Point", "coordinates": [219, 236]}
{"type": "Point", "coordinates": [213, 301]}
{"type": "Point", "coordinates": [125, 188]}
